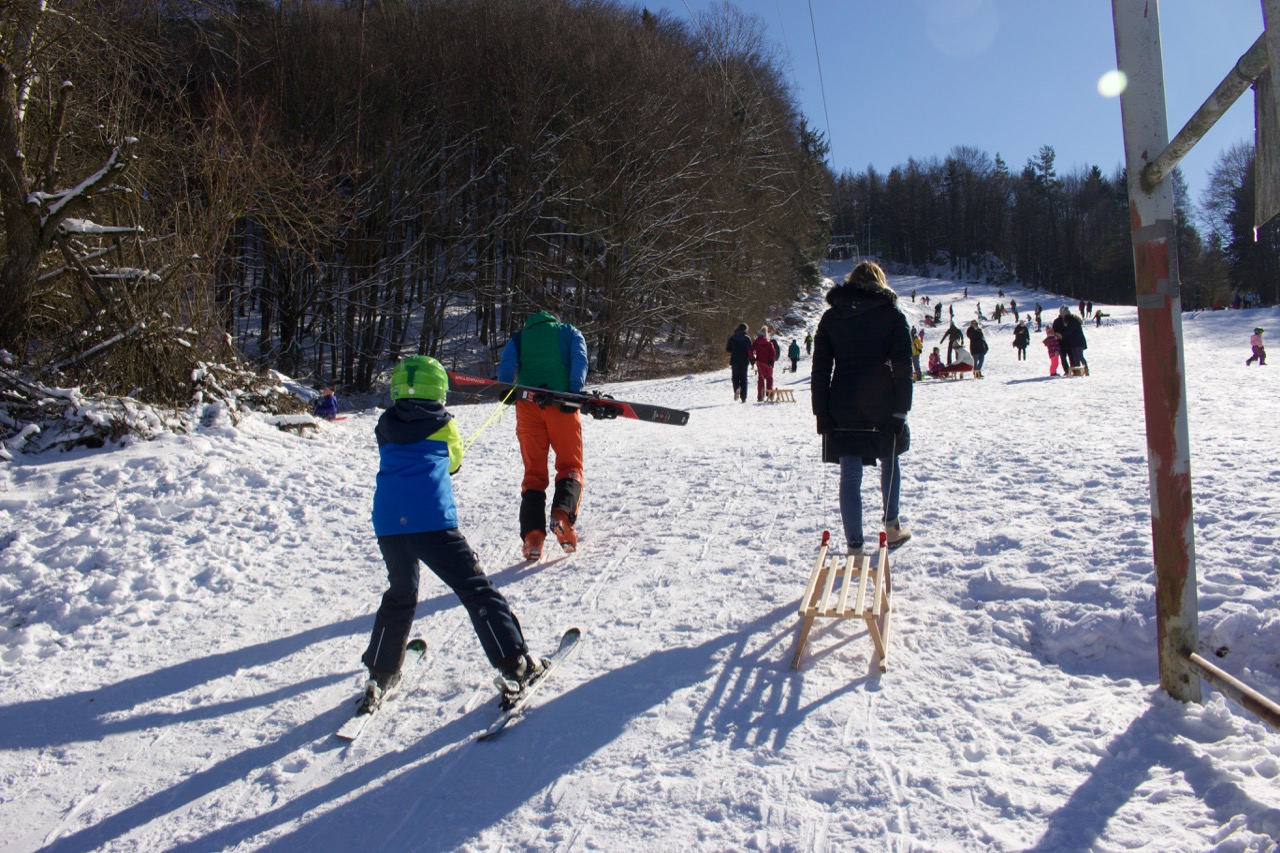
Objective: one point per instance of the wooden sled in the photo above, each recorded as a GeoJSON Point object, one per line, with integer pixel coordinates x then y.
{"type": "Point", "coordinates": [779, 395]}
{"type": "Point", "coordinates": [835, 580]}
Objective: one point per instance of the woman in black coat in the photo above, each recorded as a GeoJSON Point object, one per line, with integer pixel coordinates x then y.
{"type": "Point", "coordinates": [862, 394]}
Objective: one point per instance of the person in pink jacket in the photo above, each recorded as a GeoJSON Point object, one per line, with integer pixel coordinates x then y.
{"type": "Point", "coordinates": [762, 356]}
{"type": "Point", "coordinates": [1255, 341]}
{"type": "Point", "coordinates": [1051, 343]}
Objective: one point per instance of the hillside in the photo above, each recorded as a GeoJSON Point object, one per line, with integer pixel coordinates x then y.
{"type": "Point", "coordinates": [181, 622]}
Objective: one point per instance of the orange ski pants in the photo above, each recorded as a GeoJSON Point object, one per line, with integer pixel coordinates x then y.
{"type": "Point", "coordinates": [540, 430]}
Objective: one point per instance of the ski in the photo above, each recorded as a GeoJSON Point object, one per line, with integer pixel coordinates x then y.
{"type": "Point", "coordinates": [415, 651]}
{"type": "Point", "coordinates": [597, 406]}
{"type": "Point", "coordinates": [568, 646]}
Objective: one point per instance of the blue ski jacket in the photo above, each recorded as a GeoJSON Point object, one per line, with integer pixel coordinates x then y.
{"type": "Point", "coordinates": [419, 448]}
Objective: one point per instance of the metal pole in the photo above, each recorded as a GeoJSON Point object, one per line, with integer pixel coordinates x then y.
{"type": "Point", "coordinates": [1246, 70]}
{"type": "Point", "coordinates": [1155, 261]}
{"type": "Point", "coordinates": [1236, 690]}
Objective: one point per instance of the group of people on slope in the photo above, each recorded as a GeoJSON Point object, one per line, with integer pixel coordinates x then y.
{"type": "Point", "coordinates": [415, 517]}
{"type": "Point", "coordinates": [1065, 338]}
{"type": "Point", "coordinates": [762, 353]}
{"type": "Point", "coordinates": [960, 360]}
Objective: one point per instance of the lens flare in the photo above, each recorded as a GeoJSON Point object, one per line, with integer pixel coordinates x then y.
{"type": "Point", "coordinates": [1112, 84]}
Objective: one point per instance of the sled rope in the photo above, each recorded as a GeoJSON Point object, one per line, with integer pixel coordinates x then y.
{"type": "Point", "coordinates": [498, 411]}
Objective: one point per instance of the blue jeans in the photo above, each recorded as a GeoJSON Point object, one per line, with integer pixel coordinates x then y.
{"type": "Point", "coordinates": [851, 493]}
{"type": "Point", "coordinates": [978, 359]}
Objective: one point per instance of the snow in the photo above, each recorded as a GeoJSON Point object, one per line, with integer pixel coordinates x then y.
{"type": "Point", "coordinates": [181, 622]}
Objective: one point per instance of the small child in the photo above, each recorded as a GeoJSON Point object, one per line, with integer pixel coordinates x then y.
{"type": "Point", "coordinates": [327, 405]}
{"type": "Point", "coordinates": [1255, 341]}
{"type": "Point", "coordinates": [1051, 344]}
{"type": "Point", "coordinates": [416, 521]}
{"type": "Point", "coordinates": [936, 367]}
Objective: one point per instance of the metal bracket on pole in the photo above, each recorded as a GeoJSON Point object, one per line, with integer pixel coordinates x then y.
{"type": "Point", "coordinates": [1246, 70]}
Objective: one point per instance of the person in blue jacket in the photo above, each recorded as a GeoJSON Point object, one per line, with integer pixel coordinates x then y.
{"type": "Point", "coordinates": [416, 521]}
{"type": "Point", "coordinates": [327, 405]}
{"type": "Point", "coordinates": [553, 355]}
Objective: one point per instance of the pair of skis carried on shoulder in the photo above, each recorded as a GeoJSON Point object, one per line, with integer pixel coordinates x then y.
{"type": "Point", "coordinates": [598, 406]}
{"type": "Point", "coordinates": [417, 651]}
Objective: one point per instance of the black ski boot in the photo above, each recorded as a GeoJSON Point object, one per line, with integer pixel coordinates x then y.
{"type": "Point", "coordinates": [376, 689]}
{"type": "Point", "coordinates": [515, 675]}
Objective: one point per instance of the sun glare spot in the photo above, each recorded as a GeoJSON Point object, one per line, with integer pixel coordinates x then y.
{"type": "Point", "coordinates": [1112, 84]}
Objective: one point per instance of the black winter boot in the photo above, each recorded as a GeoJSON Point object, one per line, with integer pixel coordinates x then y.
{"type": "Point", "coordinates": [533, 512]}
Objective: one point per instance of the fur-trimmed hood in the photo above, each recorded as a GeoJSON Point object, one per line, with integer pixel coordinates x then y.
{"type": "Point", "coordinates": [856, 298]}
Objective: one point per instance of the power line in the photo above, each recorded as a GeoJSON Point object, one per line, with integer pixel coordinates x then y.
{"type": "Point", "coordinates": [822, 89]}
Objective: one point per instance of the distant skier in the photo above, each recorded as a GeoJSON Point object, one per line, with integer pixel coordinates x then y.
{"type": "Point", "coordinates": [416, 521]}
{"type": "Point", "coordinates": [553, 355]}
{"type": "Point", "coordinates": [327, 405]}
{"type": "Point", "coordinates": [739, 349]}
{"type": "Point", "coordinates": [793, 353]}
{"type": "Point", "coordinates": [1255, 341]}
{"type": "Point", "coordinates": [862, 394]}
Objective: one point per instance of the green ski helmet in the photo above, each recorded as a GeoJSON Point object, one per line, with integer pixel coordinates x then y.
{"type": "Point", "coordinates": [419, 377]}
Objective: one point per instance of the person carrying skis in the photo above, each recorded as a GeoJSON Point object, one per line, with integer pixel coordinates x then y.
{"type": "Point", "coordinates": [762, 356]}
{"type": "Point", "coordinates": [793, 353]}
{"type": "Point", "coordinates": [326, 405]}
{"type": "Point", "coordinates": [739, 349]}
{"type": "Point", "coordinates": [553, 355]}
{"type": "Point", "coordinates": [416, 521]}
{"type": "Point", "coordinates": [862, 394]}
{"type": "Point", "coordinates": [1255, 341]}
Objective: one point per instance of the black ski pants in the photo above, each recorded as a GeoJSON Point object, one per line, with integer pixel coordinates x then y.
{"type": "Point", "coordinates": [446, 553]}
{"type": "Point", "coordinates": [738, 373]}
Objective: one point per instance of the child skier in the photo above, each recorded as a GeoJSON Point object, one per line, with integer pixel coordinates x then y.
{"type": "Point", "coordinates": [416, 520]}
{"type": "Point", "coordinates": [1255, 341]}
{"type": "Point", "coordinates": [1051, 343]}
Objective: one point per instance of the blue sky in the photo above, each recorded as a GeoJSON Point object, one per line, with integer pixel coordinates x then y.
{"type": "Point", "coordinates": [913, 78]}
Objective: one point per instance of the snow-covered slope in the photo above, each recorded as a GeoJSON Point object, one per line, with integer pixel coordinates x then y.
{"type": "Point", "coordinates": [181, 621]}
